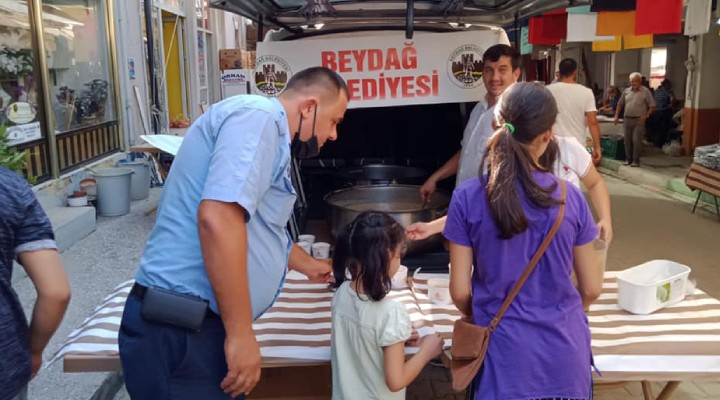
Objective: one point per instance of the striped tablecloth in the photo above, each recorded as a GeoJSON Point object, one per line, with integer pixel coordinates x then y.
{"type": "Point", "coordinates": [676, 343]}
{"type": "Point", "coordinates": [703, 178]}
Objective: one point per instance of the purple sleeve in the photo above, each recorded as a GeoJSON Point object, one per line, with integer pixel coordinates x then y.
{"type": "Point", "coordinates": [587, 230]}
{"type": "Point", "coordinates": [456, 227]}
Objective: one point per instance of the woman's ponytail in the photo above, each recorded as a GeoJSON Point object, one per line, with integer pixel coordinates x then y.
{"type": "Point", "coordinates": [526, 110]}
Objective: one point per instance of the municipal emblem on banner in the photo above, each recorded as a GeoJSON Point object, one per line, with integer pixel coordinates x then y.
{"type": "Point", "coordinates": [465, 66]}
{"type": "Point", "coordinates": [271, 75]}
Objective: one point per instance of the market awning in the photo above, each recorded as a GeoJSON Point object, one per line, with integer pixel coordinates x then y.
{"type": "Point", "coordinates": [346, 15]}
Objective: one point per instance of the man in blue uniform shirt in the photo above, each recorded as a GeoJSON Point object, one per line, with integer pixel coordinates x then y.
{"type": "Point", "coordinates": [217, 256]}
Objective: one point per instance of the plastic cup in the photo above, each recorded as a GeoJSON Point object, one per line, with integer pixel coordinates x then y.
{"type": "Point", "coordinates": [306, 238]}
{"type": "Point", "coordinates": [439, 291]}
{"type": "Point", "coordinates": [399, 281]}
{"type": "Point", "coordinates": [321, 250]}
{"type": "Point", "coordinates": [306, 246]}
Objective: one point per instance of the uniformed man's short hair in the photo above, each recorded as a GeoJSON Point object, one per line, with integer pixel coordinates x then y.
{"type": "Point", "coordinates": [318, 77]}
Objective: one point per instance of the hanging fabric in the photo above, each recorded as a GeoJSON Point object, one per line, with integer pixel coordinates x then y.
{"type": "Point", "coordinates": [658, 17]}
{"type": "Point", "coordinates": [612, 5]}
{"type": "Point", "coordinates": [615, 23]}
{"type": "Point", "coordinates": [525, 46]}
{"type": "Point", "coordinates": [578, 10]}
{"type": "Point", "coordinates": [637, 42]}
{"type": "Point", "coordinates": [582, 28]}
{"type": "Point", "coordinates": [608, 45]}
{"type": "Point", "coordinates": [697, 17]}
{"type": "Point", "coordinates": [548, 29]}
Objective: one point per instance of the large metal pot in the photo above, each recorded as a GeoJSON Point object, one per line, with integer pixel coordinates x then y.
{"type": "Point", "coordinates": [402, 202]}
{"type": "Point", "coordinates": [380, 174]}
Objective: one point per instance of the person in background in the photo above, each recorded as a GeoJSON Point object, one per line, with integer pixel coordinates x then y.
{"type": "Point", "coordinates": [659, 122]}
{"type": "Point", "coordinates": [541, 348]}
{"type": "Point", "coordinates": [501, 68]}
{"type": "Point", "coordinates": [610, 104]}
{"type": "Point", "coordinates": [369, 331]}
{"type": "Point", "coordinates": [638, 104]}
{"type": "Point", "coordinates": [677, 132]}
{"type": "Point", "coordinates": [576, 105]}
{"type": "Point", "coordinates": [646, 83]}
{"type": "Point", "coordinates": [217, 257]}
{"type": "Point", "coordinates": [26, 236]}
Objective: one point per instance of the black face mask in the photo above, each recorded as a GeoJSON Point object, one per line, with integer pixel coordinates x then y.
{"type": "Point", "coordinates": [309, 149]}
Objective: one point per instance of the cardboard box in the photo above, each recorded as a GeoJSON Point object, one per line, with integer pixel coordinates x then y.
{"type": "Point", "coordinates": [231, 59]}
{"type": "Point", "coordinates": [248, 59]}
{"type": "Point", "coordinates": [237, 59]}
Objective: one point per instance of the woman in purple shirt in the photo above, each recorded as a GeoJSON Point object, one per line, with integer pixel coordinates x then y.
{"type": "Point", "coordinates": [541, 348]}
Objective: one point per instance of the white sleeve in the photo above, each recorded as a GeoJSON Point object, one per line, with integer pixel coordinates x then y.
{"type": "Point", "coordinates": [590, 101]}
{"type": "Point", "coordinates": [396, 326]}
{"type": "Point", "coordinates": [579, 160]}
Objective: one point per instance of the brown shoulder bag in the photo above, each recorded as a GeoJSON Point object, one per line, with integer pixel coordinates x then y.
{"type": "Point", "coordinates": [470, 341]}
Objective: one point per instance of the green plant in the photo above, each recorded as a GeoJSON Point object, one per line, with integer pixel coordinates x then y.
{"type": "Point", "coordinates": [12, 159]}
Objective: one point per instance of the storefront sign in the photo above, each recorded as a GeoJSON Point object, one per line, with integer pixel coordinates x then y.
{"type": "Point", "coordinates": [235, 81]}
{"type": "Point", "coordinates": [235, 77]}
{"type": "Point", "coordinates": [386, 70]}
{"type": "Point", "coordinates": [23, 133]}
{"type": "Point", "coordinates": [20, 112]}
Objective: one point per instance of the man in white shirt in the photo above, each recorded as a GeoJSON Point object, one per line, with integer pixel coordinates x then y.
{"type": "Point", "coordinates": [576, 106]}
{"type": "Point", "coordinates": [501, 68]}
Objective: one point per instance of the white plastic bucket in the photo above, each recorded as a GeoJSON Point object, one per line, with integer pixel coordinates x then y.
{"type": "Point", "coordinates": [113, 191]}
{"type": "Point", "coordinates": [651, 286]}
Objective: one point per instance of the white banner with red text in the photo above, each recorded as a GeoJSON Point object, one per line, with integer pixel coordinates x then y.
{"type": "Point", "coordinates": [386, 70]}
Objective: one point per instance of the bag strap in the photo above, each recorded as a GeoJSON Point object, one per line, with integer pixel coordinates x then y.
{"type": "Point", "coordinates": [533, 261]}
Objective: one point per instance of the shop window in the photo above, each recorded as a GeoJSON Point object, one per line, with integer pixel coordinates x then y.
{"type": "Point", "coordinates": [177, 4]}
{"type": "Point", "coordinates": [20, 95]}
{"type": "Point", "coordinates": [79, 69]}
{"type": "Point", "coordinates": [204, 41]}
{"type": "Point", "coordinates": [202, 13]}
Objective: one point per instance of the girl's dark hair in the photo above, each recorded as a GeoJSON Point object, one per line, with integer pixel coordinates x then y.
{"type": "Point", "coordinates": [531, 109]}
{"type": "Point", "coordinates": [363, 249]}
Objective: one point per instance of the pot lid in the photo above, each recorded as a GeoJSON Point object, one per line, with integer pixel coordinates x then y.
{"type": "Point", "coordinates": [381, 172]}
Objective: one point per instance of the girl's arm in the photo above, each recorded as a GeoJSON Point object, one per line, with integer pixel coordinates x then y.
{"type": "Point", "coordinates": [600, 198]}
{"type": "Point", "coordinates": [461, 261]}
{"type": "Point", "coordinates": [400, 373]}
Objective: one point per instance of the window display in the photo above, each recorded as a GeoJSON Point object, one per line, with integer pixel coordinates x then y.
{"type": "Point", "coordinates": [78, 63]}
{"type": "Point", "coordinates": [18, 92]}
